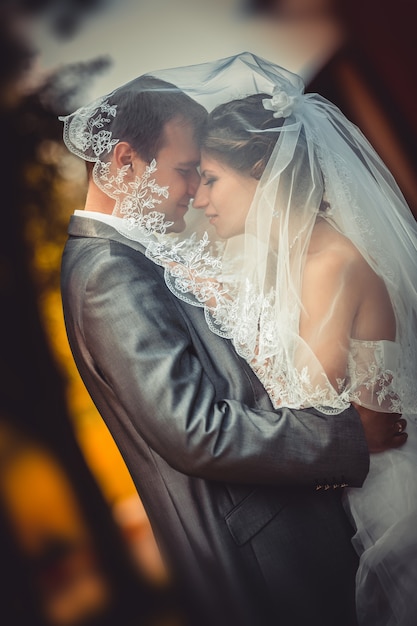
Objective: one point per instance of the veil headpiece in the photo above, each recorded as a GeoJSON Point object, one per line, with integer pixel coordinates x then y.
{"type": "Point", "coordinates": [321, 167]}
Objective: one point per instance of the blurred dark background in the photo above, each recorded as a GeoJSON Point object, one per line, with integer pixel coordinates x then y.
{"type": "Point", "coordinates": [75, 543]}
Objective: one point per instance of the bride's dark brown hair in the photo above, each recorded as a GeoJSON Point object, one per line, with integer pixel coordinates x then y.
{"type": "Point", "coordinates": [231, 134]}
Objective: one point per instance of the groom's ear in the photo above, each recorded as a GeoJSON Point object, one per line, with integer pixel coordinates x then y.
{"type": "Point", "coordinates": [124, 154]}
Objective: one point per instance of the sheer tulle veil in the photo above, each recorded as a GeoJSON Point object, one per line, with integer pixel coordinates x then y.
{"type": "Point", "coordinates": [249, 286]}
{"type": "Point", "coordinates": [321, 165]}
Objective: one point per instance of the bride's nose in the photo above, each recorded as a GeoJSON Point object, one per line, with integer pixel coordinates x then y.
{"type": "Point", "coordinates": [200, 199]}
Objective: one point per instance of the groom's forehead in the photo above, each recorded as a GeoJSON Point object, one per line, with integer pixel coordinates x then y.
{"type": "Point", "coordinates": [178, 142]}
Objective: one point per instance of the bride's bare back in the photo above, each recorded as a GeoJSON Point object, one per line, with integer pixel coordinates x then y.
{"type": "Point", "coordinates": [343, 299]}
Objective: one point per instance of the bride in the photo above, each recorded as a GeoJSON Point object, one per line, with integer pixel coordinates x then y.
{"type": "Point", "coordinates": [309, 266]}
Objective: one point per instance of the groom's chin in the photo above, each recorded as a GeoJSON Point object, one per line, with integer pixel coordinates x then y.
{"type": "Point", "coordinates": [177, 227]}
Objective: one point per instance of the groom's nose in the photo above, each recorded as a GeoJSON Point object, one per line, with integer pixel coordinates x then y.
{"type": "Point", "coordinates": [193, 183]}
{"type": "Point", "coordinates": [200, 198]}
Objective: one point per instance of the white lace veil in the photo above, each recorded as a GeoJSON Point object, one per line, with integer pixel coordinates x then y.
{"type": "Point", "coordinates": [321, 167]}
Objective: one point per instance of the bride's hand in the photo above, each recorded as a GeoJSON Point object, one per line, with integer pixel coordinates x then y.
{"type": "Point", "coordinates": [382, 430]}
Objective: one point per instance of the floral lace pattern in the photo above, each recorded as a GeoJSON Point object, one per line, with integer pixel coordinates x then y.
{"type": "Point", "coordinates": [87, 135]}
{"type": "Point", "coordinates": [373, 380]}
{"type": "Point", "coordinates": [86, 132]}
{"type": "Point", "coordinates": [373, 372]}
{"type": "Point", "coordinates": [283, 362]}
{"type": "Point", "coordinates": [135, 200]}
{"type": "Point", "coordinates": [192, 269]}
{"type": "Point", "coordinates": [372, 377]}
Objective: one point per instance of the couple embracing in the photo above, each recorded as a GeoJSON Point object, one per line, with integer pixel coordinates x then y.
{"type": "Point", "coordinates": [254, 370]}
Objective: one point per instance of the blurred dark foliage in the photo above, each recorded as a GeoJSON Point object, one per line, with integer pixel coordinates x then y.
{"type": "Point", "coordinates": [32, 394]}
{"type": "Point", "coordinates": [64, 16]}
{"type": "Point", "coordinates": [16, 52]}
{"type": "Point", "coordinates": [63, 88]}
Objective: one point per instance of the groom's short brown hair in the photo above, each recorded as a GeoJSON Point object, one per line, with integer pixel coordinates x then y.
{"type": "Point", "coordinates": [144, 107]}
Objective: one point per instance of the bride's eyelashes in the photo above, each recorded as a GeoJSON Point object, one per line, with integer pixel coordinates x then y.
{"type": "Point", "coordinates": [210, 181]}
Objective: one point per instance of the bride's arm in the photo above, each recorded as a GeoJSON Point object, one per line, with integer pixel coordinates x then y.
{"type": "Point", "coordinates": [335, 288]}
{"type": "Point", "coordinates": [331, 299]}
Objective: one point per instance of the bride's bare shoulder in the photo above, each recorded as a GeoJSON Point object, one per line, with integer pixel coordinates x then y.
{"type": "Point", "coordinates": [330, 250]}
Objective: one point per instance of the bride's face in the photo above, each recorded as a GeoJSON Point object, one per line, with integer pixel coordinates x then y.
{"type": "Point", "coordinates": [225, 195]}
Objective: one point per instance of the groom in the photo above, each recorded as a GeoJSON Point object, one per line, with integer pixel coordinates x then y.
{"type": "Point", "coordinates": [244, 501]}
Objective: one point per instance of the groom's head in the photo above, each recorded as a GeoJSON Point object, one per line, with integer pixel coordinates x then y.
{"type": "Point", "coordinates": [155, 121]}
{"type": "Point", "coordinates": [141, 144]}
{"type": "Point", "coordinates": [145, 106]}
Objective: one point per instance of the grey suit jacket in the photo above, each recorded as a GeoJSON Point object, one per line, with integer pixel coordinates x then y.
{"type": "Point", "coordinates": [243, 500]}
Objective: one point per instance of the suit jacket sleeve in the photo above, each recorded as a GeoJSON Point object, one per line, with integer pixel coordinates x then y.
{"type": "Point", "coordinates": [133, 333]}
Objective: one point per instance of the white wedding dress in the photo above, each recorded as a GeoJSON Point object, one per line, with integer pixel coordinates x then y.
{"type": "Point", "coordinates": [384, 513]}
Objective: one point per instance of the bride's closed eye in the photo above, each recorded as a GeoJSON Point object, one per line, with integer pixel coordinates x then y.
{"type": "Point", "coordinates": [209, 181]}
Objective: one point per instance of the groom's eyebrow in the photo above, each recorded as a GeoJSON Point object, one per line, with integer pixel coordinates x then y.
{"type": "Point", "coordinates": [189, 163]}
